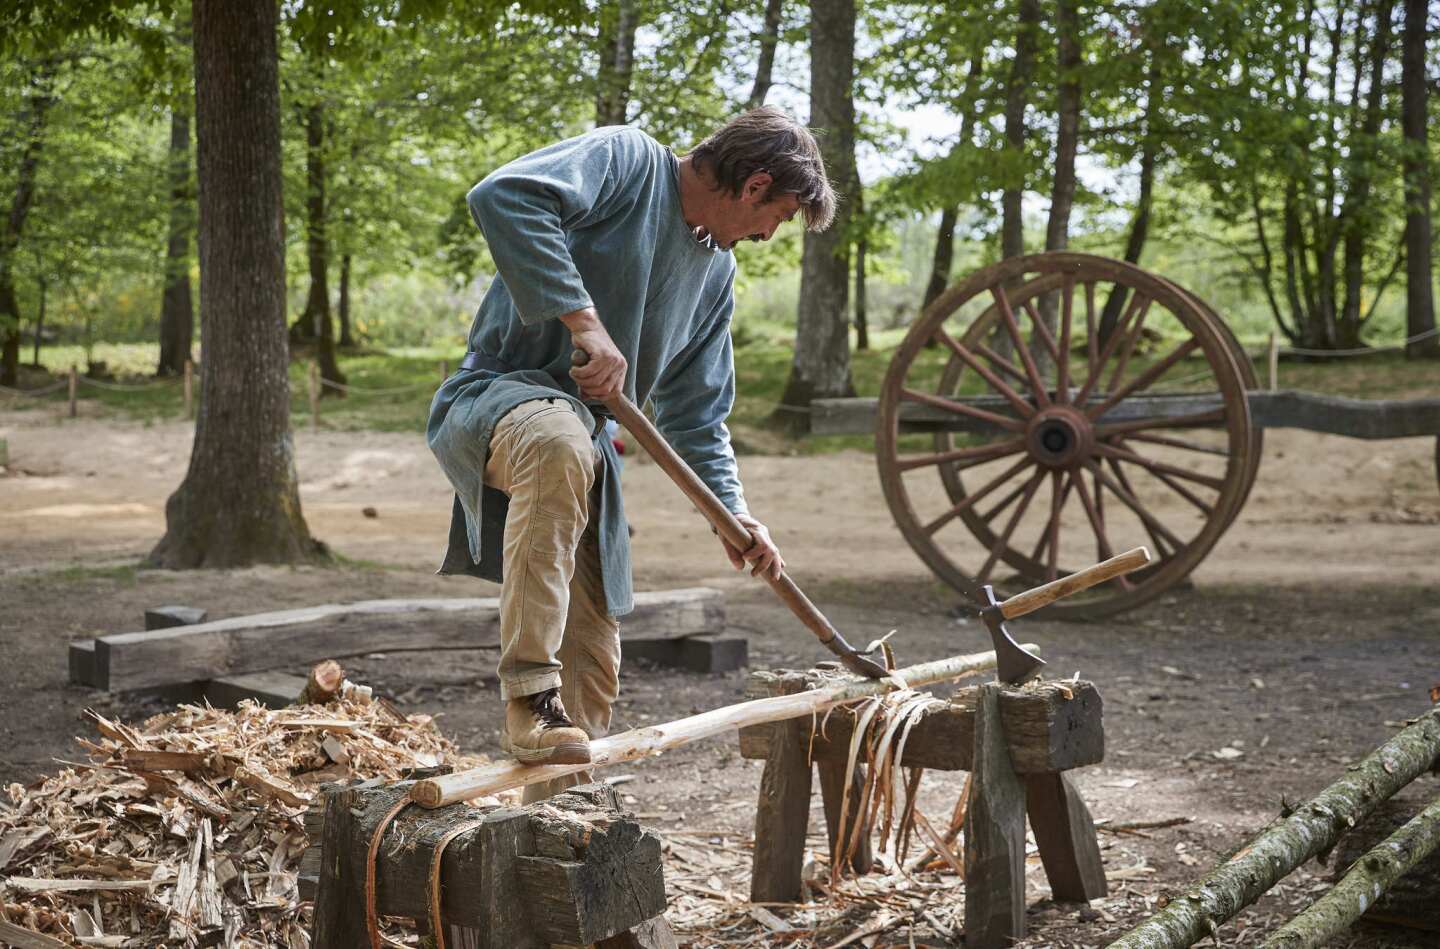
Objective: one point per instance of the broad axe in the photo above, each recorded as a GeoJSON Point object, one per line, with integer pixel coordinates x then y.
{"type": "Point", "coordinates": [1013, 663]}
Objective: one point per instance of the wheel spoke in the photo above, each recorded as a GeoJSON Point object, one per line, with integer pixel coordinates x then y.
{"type": "Point", "coordinates": [1193, 420]}
{"type": "Point", "coordinates": [1042, 330]}
{"type": "Point", "coordinates": [1143, 380]}
{"type": "Point", "coordinates": [1092, 337]}
{"type": "Point", "coordinates": [1058, 496]}
{"type": "Point", "coordinates": [1007, 316]}
{"type": "Point", "coordinates": [1005, 535]}
{"type": "Point", "coordinates": [951, 405]}
{"type": "Point", "coordinates": [1102, 543]}
{"type": "Point", "coordinates": [1134, 504]}
{"type": "Point", "coordinates": [1138, 303]}
{"type": "Point", "coordinates": [1062, 364]}
{"type": "Point", "coordinates": [976, 455]}
{"type": "Point", "coordinates": [1132, 339]}
{"type": "Point", "coordinates": [1161, 545]}
{"type": "Point", "coordinates": [1153, 466]}
{"type": "Point", "coordinates": [1002, 504]}
{"type": "Point", "coordinates": [1205, 509]}
{"type": "Point", "coordinates": [1179, 443]}
{"type": "Point", "coordinates": [1002, 364]}
{"type": "Point", "coordinates": [1024, 408]}
{"type": "Point", "coordinates": [970, 499]}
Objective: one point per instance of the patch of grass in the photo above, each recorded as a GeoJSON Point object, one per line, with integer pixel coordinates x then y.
{"type": "Point", "coordinates": [125, 574]}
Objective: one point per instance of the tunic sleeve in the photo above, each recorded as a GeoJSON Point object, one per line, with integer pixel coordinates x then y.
{"type": "Point", "coordinates": [692, 399]}
{"type": "Point", "coordinates": [525, 208]}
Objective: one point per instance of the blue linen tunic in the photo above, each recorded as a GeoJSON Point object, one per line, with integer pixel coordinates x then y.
{"type": "Point", "coordinates": [591, 221]}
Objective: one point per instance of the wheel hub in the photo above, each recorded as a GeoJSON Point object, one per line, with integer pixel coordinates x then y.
{"type": "Point", "coordinates": [1060, 437]}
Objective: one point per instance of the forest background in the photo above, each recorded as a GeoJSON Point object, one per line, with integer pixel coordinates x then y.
{"type": "Point", "coordinates": [1271, 156]}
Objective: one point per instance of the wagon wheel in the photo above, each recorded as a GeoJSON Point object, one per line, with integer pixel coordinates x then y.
{"type": "Point", "coordinates": [1069, 443]}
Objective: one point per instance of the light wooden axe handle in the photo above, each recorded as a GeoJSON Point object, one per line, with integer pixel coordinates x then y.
{"type": "Point", "coordinates": [1032, 600]}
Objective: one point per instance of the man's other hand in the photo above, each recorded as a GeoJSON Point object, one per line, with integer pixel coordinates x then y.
{"type": "Point", "coordinates": [763, 556]}
{"type": "Point", "coordinates": [603, 375]}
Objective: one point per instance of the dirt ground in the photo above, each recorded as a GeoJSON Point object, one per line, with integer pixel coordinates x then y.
{"type": "Point", "coordinates": [1308, 634]}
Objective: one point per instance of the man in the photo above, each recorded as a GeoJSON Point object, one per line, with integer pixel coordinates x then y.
{"type": "Point", "coordinates": [609, 244]}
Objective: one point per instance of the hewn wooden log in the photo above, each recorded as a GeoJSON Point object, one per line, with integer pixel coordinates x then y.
{"type": "Point", "coordinates": [657, 739]}
{"type": "Point", "coordinates": [1065, 836]}
{"type": "Point", "coordinates": [994, 835]}
{"type": "Point", "coordinates": [569, 870]}
{"type": "Point", "coordinates": [782, 816]}
{"type": "Point", "coordinates": [591, 872]}
{"type": "Point", "coordinates": [1357, 891]}
{"type": "Point", "coordinates": [270, 689]}
{"type": "Point", "coordinates": [1050, 726]}
{"type": "Point", "coordinates": [1291, 840]}
{"type": "Point", "coordinates": [289, 638]}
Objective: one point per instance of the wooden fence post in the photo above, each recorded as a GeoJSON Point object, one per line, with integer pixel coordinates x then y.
{"type": "Point", "coordinates": [444, 370]}
{"type": "Point", "coordinates": [994, 834]}
{"type": "Point", "coordinates": [74, 389]}
{"type": "Point", "coordinates": [314, 386]}
{"type": "Point", "coordinates": [189, 389]}
{"type": "Point", "coordinates": [1273, 354]}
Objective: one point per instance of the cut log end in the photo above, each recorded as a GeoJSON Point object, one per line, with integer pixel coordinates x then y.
{"type": "Point", "coordinates": [324, 683]}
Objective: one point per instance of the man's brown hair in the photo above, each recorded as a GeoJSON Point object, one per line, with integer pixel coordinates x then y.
{"type": "Point", "coordinates": [768, 140]}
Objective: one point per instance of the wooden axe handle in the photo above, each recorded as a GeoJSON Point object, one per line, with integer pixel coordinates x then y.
{"type": "Point", "coordinates": [1032, 600]}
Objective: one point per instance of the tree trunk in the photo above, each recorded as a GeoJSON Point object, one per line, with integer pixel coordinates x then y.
{"type": "Point", "coordinates": [862, 323]}
{"type": "Point", "coordinates": [821, 368]}
{"type": "Point", "coordinates": [765, 66]}
{"type": "Point", "coordinates": [177, 314]}
{"type": "Point", "coordinates": [1371, 875]}
{"type": "Point", "coordinates": [239, 503]}
{"type": "Point", "coordinates": [37, 105]}
{"type": "Point", "coordinates": [315, 321]}
{"type": "Point", "coordinates": [1140, 223]}
{"type": "Point", "coordinates": [617, 54]}
{"type": "Point", "coordinates": [1420, 291]}
{"type": "Point", "coordinates": [1357, 218]}
{"type": "Point", "coordinates": [1290, 841]}
{"type": "Point", "coordinates": [1067, 139]}
{"type": "Point", "coordinates": [944, 257]}
{"type": "Point", "coordinates": [1022, 71]}
{"type": "Point", "coordinates": [346, 339]}
{"type": "Point", "coordinates": [39, 321]}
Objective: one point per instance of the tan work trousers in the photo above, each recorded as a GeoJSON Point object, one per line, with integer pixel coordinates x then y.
{"type": "Point", "coordinates": [555, 628]}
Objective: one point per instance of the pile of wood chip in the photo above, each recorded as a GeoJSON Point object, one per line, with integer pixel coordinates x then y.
{"type": "Point", "coordinates": [186, 830]}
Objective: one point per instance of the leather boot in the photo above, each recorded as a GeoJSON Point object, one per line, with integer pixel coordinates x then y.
{"type": "Point", "coordinates": [537, 731]}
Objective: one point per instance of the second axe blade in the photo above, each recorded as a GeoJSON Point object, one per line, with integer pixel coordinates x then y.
{"type": "Point", "coordinates": [1013, 663]}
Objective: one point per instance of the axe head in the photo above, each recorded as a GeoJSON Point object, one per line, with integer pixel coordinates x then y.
{"type": "Point", "coordinates": [1013, 665]}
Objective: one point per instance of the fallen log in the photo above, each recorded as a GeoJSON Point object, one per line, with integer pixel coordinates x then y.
{"type": "Point", "coordinates": [657, 739]}
{"type": "Point", "coordinates": [1410, 901]}
{"type": "Point", "coordinates": [1357, 891]}
{"type": "Point", "coordinates": [1290, 841]}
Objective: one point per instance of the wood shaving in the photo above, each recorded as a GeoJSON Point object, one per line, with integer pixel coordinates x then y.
{"type": "Point", "coordinates": [187, 830]}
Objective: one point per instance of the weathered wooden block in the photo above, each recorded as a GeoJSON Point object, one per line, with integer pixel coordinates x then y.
{"type": "Point", "coordinates": [1050, 726]}
{"type": "Point", "coordinates": [168, 617]}
{"type": "Point", "coordinates": [270, 689]}
{"type": "Point", "coordinates": [82, 662]}
{"type": "Point", "coordinates": [994, 834]}
{"type": "Point", "coordinates": [569, 870]}
{"type": "Point", "coordinates": [703, 653]}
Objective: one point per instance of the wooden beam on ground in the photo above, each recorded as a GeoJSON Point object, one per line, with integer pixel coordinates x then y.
{"type": "Point", "coordinates": [657, 739]}
{"type": "Point", "coordinates": [1352, 418]}
{"type": "Point", "coordinates": [1050, 726]}
{"type": "Point", "coordinates": [270, 689]}
{"type": "Point", "coordinates": [1290, 841]}
{"type": "Point", "coordinates": [994, 835]}
{"type": "Point", "coordinates": [299, 637]}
